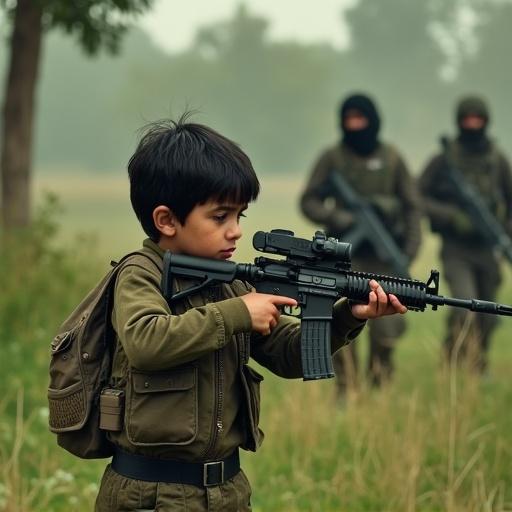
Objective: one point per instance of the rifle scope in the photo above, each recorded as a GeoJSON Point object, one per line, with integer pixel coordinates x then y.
{"type": "Point", "coordinates": [282, 241]}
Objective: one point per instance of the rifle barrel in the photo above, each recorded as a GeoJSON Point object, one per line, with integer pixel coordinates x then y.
{"type": "Point", "coordinates": [479, 306]}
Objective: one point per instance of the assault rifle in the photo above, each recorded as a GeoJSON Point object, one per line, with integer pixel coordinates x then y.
{"type": "Point", "coordinates": [316, 274]}
{"type": "Point", "coordinates": [471, 201]}
{"type": "Point", "coordinates": [368, 225]}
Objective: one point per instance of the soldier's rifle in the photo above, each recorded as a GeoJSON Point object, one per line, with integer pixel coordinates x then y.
{"type": "Point", "coordinates": [484, 222]}
{"type": "Point", "coordinates": [316, 274]}
{"type": "Point", "coordinates": [368, 226]}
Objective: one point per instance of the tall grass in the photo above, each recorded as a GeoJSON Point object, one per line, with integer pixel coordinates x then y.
{"type": "Point", "coordinates": [444, 447]}
{"type": "Point", "coordinates": [40, 282]}
{"type": "Point", "coordinates": [432, 440]}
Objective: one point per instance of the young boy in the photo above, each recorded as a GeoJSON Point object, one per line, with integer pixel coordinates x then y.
{"type": "Point", "coordinates": [191, 399]}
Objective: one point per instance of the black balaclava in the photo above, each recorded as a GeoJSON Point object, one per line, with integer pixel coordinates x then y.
{"type": "Point", "coordinates": [363, 141]}
{"type": "Point", "coordinates": [473, 140]}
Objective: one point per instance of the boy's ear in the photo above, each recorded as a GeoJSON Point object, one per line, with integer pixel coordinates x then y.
{"type": "Point", "coordinates": [165, 220]}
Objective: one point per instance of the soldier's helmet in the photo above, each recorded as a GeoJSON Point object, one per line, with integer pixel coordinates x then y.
{"type": "Point", "coordinates": [472, 105]}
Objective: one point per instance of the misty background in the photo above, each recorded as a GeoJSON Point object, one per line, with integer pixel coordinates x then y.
{"type": "Point", "coordinates": [270, 75]}
{"type": "Point", "coordinates": [278, 98]}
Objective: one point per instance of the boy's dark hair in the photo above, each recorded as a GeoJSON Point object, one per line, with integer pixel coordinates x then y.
{"type": "Point", "coordinates": [180, 165]}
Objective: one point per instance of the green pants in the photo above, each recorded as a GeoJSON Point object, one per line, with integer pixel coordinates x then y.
{"type": "Point", "coordinates": [383, 334]}
{"type": "Point", "coordinates": [471, 273]}
{"type": "Point", "coordinates": [120, 494]}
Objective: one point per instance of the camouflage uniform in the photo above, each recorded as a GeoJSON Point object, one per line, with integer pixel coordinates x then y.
{"type": "Point", "coordinates": [190, 394]}
{"type": "Point", "coordinates": [470, 265]}
{"type": "Point", "coordinates": [379, 175]}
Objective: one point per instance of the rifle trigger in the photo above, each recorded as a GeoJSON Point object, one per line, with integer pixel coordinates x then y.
{"type": "Point", "coordinates": [294, 311]}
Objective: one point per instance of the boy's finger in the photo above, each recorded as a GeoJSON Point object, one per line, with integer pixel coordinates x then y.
{"type": "Point", "coordinates": [276, 313]}
{"type": "Point", "coordinates": [373, 284]}
{"type": "Point", "coordinates": [280, 300]}
{"type": "Point", "coordinates": [372, 300]}
{"type": "Point", "coordinates": [399, 307]}
{"type": "Point", "coordinates": [381, 295]}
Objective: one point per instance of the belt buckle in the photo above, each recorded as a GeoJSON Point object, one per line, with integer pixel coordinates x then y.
{"type": "Point", "coordinates": [211, 465]}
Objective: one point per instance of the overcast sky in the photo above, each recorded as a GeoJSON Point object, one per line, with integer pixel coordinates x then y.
{"type": "Point", "coordinates": [172, 23]}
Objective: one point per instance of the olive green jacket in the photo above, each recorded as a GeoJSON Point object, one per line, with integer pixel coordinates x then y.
{"type": "Point", "coordinates": [380, 178]}
{"type": "Point", "coordinates": [190, 393]}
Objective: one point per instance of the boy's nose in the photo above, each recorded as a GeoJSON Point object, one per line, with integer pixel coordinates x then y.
{"type": "Point", "coordinates": [234, 232]}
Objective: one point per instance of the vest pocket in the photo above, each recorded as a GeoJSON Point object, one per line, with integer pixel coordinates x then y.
{"type": "Point", "coordinates": [161, 407]}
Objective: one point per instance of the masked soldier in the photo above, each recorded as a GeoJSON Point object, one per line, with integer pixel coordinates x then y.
{"type": "Point", "coordinates": [377, 173]}
{"type": "Point", "coordinates": [470, 264]}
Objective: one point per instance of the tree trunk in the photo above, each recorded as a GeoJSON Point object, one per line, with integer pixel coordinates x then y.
{"type": "Point", "coordinates": [18, 114]}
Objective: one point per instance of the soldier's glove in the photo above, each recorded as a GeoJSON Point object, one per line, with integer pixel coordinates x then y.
{"type": "Point", "coordinates": [341, 220]}
{"type": "Point", "coordinates": [462, 223]}
{"type": "Point", "coordinates": [386, 205]}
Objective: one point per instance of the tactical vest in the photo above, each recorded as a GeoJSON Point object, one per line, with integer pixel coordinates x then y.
{"type": "Point", "coordinates": [368, 176]}
{"type": "Point", "coordinates": [371, 177]}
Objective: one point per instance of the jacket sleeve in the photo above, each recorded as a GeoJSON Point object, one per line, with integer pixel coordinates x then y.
{"type": "Point", "coordinates": [155, 339]}
{"type": "Point", "coordinates": [407, 192]}
{"type": "Point", "coordinates": [280, 351]}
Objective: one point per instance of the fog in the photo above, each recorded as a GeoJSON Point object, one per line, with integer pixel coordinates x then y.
{"type": "Point", "coordinates": [278, 98]}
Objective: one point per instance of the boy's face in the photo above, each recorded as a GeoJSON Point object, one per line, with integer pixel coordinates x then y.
{"type": "Point", "coordinates": [211, 230]}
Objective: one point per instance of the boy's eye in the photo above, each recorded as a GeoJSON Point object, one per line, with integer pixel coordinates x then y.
{"type": "Point", "coordinates": [222, 217]}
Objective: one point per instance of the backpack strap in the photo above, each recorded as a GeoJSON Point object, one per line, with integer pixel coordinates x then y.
{"type": "Point", "coordinates": [127, 259]}
{"type": "Point", "coordinates": [136, 258]}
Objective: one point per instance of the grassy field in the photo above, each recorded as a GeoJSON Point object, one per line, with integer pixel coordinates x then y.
{"type": "Point", "coordinates": [430, 441]}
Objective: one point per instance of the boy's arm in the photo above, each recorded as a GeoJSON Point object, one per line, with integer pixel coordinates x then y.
{"type": "Point", "coordinates": [280, 351]}
{"type": "Point", "coordinates": [154, 339]}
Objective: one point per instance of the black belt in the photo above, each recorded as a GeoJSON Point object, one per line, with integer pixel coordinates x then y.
{"type": "Point", "coordinates": [151, 469]}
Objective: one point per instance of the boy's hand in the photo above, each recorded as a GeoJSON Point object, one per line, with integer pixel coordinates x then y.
{"type": "Point", "coordinates": [263, 310]}
{"type": "Point", "coordinates": [379, 304]}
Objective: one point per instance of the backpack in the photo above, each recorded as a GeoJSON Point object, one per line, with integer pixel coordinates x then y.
{"type": "Point", "coordinates": [80, 366]}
